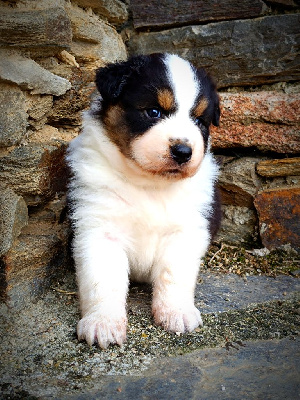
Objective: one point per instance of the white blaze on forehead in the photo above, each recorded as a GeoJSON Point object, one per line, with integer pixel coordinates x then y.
{"type": "Point", "coordinates": [183, 80]}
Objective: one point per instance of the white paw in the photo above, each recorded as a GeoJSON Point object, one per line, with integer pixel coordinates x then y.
{"type": "Point", "coordinates": [177, 319]}
{"type": "Point", "coordinates": [104, 329]}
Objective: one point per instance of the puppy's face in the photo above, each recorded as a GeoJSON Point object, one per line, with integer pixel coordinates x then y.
{"type": "Point", "coordinates": [157, 110]}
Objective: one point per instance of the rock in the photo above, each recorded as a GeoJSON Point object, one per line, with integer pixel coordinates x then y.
{"type": "Point", "coordinates": [285, 3]}
{"type": "Point", "coordinates": [39, 108]}
{"type": "Point", "coordinates": [30, 76]}
{"type": "Point", "coordinates": [238, 226]}
{"type": "Point", "coordinates": [35, 29]}
{"type": "Point", "coordinates": [268, 55]}
{"type": "Point", "coordinates": [35, 171]}
{"type": "Point", "coordinates": [114, 11]}
{"type": "Point", "coordinates": [67, 58]}
{"type": "Point", "coordinates": [13, 217]}
{"type": "Point", "coordinates": [282, 167]}
{"type": "Point", "coordinates": [87, 27]}
{"type": "Point", "coordinates": [238, 182]}
{"type": "Point", "coordinates": [13, 116]}
{"type": "Point", "coordinates": [265, 137]}
{"type": "Point", "coordinates": [37, 258]}
{"type": "Point", "coordinates": [161, 14]}
{"type": "Point", "coordinates": [267, 120]}
{"type": "Point", "coordinates": [51, 136]}
{"type": "Point", "coordinates": [67, 109]}
{"type": "Point", "coordinates": [100, 54]}
{"type": "Point", "coordinates": [279, 215]}
{"type": "Point", "coordinates": [263, 106]}
{"type": "Point", "coordinates": [93, 38]}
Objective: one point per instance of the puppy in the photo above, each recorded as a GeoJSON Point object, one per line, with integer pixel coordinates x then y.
{"type": "Point", "coordinates": [142, 195]}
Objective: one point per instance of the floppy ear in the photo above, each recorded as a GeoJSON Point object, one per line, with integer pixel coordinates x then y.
{"type": "Point", "coordinates": [110, 80]}
{"type": "Point", "coordinates": [217, 112]}
{"type": "Point", "coordinates": [209, 88]}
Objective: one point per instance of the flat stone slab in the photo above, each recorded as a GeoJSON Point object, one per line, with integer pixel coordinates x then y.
{"type": "Point", "coordinates": [256, 370]}
{"type": "Point", "coordinates": [219, 293]}
{"type": "Point", "coordinates": [246, 349]}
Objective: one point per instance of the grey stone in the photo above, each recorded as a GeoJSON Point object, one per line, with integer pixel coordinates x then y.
{"type": "Point", "coordinates": [88, 27]}
{"type": "Point", "coordinates": [231, 292]}
{"type": "Point", "coordinates": [32, 264]}
{"type": "Point", "coordinates": [94, 39]}
{"type": "Point", "coordinates": [35, 29]}
{"type": "Point", "coordinates": [161, 14]}
{"type": "Point", "coordinates": [114, 11]}
{"type": "Point", "coordinates": [236, 53]}
{"type": "Point", "coordinates": [13, 217]}
{"type": "Point", "coordinates": [30, 76]}
{"type": "Point", "coordinates": [37, 257]}
{"type": "Point", "coordinates": [250, 370]}
{"type": "Point", "coordinates": [239, 182]}
{"type": "Point", "coordinates": [238, 226]}
{"type": "Point", "coordinates": [13, 116]}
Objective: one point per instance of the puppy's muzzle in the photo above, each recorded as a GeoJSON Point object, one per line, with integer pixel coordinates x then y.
{"type": "Point", "coordinates": [181, 153]}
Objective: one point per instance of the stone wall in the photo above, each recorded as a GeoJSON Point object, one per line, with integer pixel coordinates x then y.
{"type": "Point", "coordinates": [48, 53]}
{"type": "Point", "coordinates": [49, 50]}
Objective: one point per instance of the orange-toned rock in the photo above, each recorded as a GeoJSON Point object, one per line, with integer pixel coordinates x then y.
{"type": "Point", "coordinates": [267, 120]}
{"type": "Point", "coordinates": [279, 217]}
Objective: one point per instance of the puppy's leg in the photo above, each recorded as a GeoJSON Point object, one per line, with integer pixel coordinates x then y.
{"type": "Point", "coordinates": [102, 274]}
{"type": "Point", "coordinates": [174, 283]}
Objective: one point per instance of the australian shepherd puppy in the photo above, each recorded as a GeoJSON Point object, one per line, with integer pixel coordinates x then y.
{"type": "Point", "coordinates": [143, 200]}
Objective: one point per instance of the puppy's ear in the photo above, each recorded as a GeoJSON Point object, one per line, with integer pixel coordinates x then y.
{"type": "Point", "coordinates": [215, 101]}
{"type": "Point", "coordinates": [209, 89]}
{"type": "Point", "coordinates": [111, 80]}
{"type": "Point", "coordinates": [217, 112]}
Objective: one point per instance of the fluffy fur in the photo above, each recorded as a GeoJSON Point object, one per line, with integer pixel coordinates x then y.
{"type": "Point", "coordinates": [143, 193]}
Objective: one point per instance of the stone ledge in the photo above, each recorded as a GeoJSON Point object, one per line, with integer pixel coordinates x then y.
{"type": "Point", "coordinates": [281, 167]}
{"type": "Point", "coordinates": [232, 61]}
{"type": "Point", "coordinates": [114, 11]}
{"type": "Point", "coordinates": [35, 29]}
{"type": "Point", "coordinates": [158, 14]}
{"type": "Point", "coordinates": [267, 120]}
{"type": "Point", "coordinates": [29, 75]}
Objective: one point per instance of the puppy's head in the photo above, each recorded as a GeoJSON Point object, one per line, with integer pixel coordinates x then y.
{"type": "Point", "coordinates": [157, 110]}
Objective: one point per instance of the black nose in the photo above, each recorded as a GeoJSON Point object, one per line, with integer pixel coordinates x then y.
{"type": "Point", "coordinates": [181, 153]}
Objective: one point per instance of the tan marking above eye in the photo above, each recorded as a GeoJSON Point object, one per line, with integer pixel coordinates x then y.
{"type": "Point", "coordinates": [166, 99]}
{"type": "Point", "coordinates": [200, 107]}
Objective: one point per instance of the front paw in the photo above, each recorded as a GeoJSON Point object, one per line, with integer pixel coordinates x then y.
{"type": "Point", "coordinates": [179, 319]}
{"type": "Point", "coordinates": [104, 329]}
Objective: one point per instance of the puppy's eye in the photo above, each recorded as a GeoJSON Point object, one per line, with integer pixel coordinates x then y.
{"type": "Point", "coordinates": [199, 121]}
{"type": "Point", "coordinates": [153, 113]}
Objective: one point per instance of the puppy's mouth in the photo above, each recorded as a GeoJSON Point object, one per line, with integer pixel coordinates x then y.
{"type": "Point", "coordinates": [173, 171]}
